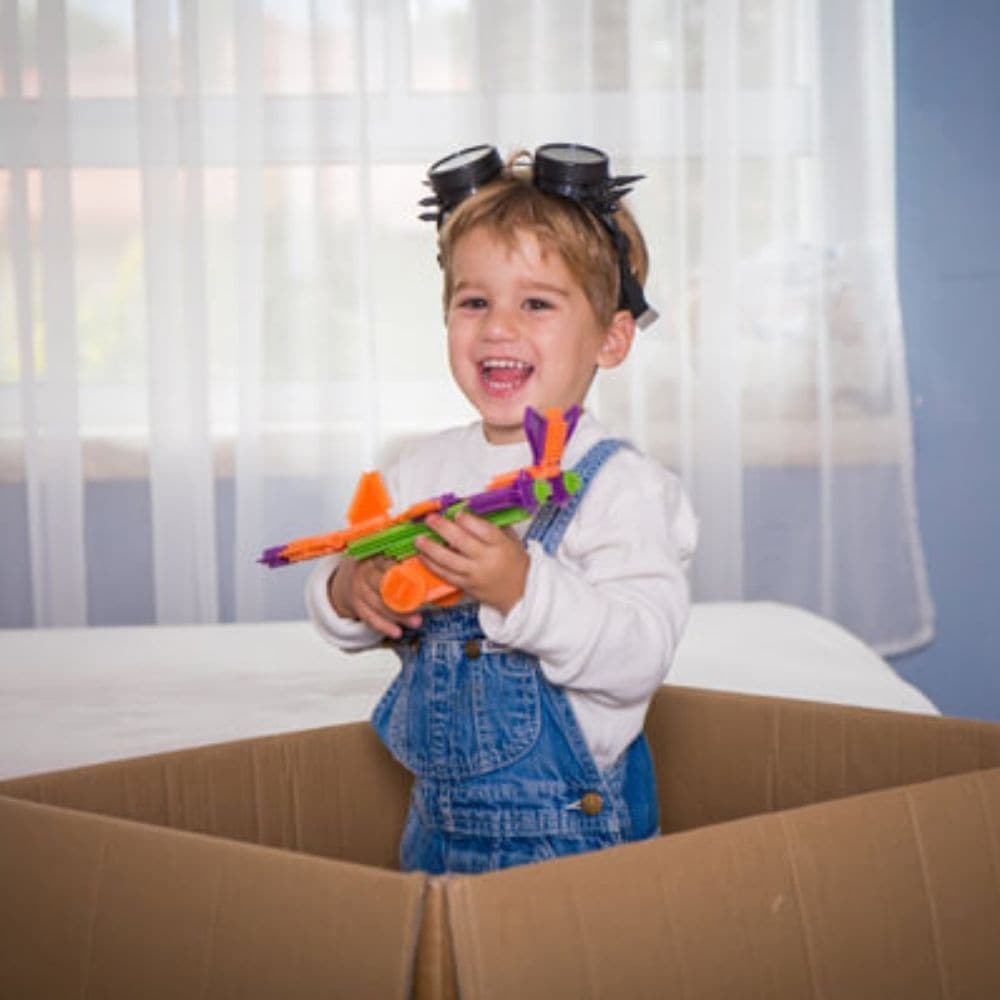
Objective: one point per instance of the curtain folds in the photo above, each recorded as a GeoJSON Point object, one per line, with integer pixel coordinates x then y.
{"type": "Point", "coordinates": [217, 305]}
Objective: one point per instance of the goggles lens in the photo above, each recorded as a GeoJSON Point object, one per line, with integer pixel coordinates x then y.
{"type": "Point", "coordinates": [570, 170]}
{"type": "Point", "coordinates": [453, 178]}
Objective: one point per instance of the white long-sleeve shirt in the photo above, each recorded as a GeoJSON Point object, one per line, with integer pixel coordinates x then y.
{"type": "Point", "coordinates": [603, 614]}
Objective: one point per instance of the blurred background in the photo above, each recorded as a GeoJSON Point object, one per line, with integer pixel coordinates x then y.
{"type": "Point", "coordinates": [217, 305]}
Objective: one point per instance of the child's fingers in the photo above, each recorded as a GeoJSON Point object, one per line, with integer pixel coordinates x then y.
{"type": "Point", "coordinates": [451, 533]}
{"type": "Point", "coordinates": [467, 533]}
{"type": "Point", "coordinates": [371, 608]}
{"type": "Point", "coordinates": [384, 626]}
{"type": "Point", "coordinates": [370, 611]}
{"type": "Point", "coordinates": [479, 528]}
{"type": "Point", "coordinates": [376, 615]}
{"type": "Point", "coordinates": [440, 559]}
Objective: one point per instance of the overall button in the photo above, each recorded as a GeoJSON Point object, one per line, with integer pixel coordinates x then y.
{"type": "Point", "coordinates": [472, 649]}
{"type": "Point", "coordinates": [591, 803]}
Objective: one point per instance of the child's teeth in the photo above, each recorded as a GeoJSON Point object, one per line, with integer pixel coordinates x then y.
{"type": "Point", "coordinates": [505, 374]}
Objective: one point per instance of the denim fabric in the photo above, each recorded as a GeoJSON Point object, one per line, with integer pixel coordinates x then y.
{"type": "Point", "coordinates": [503, 774]}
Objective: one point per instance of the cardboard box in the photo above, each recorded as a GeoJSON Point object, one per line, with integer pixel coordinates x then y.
{"type": "Point", "coordinates": [809, 850]}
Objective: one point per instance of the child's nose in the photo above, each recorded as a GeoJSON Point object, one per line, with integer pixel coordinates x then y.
{"type": "Point", "coordinates": [501, 324]}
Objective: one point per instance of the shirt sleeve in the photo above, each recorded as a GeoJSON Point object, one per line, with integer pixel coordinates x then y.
{"type": "Point", "coordinates": [604, 614]}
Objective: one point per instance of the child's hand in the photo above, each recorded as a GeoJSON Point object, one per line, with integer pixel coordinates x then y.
{"type": "Point", "coordinates": [354, 593]}
{"type": "Point", "coordinates": [486, 562]}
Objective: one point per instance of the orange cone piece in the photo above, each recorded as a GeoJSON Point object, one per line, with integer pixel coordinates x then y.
{"type": "Point", "coordinates": [410, 584]}
{"type": "Point", "coordinates": [370, 500]}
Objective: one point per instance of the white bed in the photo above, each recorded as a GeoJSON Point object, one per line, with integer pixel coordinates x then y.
{"type": "Point", "coordinates": [80, 696]}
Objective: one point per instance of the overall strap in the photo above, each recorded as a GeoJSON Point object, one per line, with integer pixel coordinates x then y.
{"type": "Point", "coordinates": [550, 523]}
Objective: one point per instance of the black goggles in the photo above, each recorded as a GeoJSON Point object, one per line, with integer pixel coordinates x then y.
{"type": "Point", "coordinates": [566, 169]}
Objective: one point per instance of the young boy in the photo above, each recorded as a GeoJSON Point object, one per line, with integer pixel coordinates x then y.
{"type": "Point", "coordinates": [520, 710]}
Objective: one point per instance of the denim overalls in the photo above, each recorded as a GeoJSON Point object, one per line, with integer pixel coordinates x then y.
{"type": "Point", "coordinates": [503, 775]}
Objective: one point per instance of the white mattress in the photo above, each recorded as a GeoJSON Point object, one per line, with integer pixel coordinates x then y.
{"type": "Point", "coordinates": [79, 696]}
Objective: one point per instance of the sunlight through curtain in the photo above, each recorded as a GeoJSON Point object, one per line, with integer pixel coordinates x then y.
{"type": "Point", "coordinates": [217, 304]}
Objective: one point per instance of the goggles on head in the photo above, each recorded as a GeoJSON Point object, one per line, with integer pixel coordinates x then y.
{"type": "Point", "coordinates": [566, 169]}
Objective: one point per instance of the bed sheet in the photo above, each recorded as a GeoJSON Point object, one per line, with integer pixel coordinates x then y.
{"type": "Point", "coordinates": [70, 697]}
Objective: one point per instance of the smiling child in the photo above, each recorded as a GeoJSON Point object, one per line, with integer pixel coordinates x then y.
{"type": "Point", "coordinates": [520, 710]}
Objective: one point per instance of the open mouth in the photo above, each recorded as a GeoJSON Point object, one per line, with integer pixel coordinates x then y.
{"type": "Point", "coordinates": [503, 376]}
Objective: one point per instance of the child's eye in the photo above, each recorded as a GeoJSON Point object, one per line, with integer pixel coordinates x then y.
{"type": "Point", "coordinates": [472, 302]}
{"type": "Point", "coordinates": [537, 305]}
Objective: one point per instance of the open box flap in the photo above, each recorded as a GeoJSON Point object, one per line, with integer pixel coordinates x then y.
{"type": "Point", "coordinates": [96, 906]}
{"type": "Point", "coordinates": [722, 756]}
{"type": "Point", "coordinates": [890, 894]}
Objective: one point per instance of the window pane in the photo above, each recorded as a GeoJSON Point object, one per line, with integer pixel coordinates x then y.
{"type": "Point", "coordinates": [336, 45]}
{"type": "Point", "coordinates": [107, 232]}
{"type": "Point", "coordinates": [442, 45]}
{"type": "Point", "coordinates": [100, 41]}
{"type": "Point", "coordinates": [311, 316]}
{"type": "Point", "coordinates": [310, 47]}
{"type": "Point", "coordinates": [216, 46]}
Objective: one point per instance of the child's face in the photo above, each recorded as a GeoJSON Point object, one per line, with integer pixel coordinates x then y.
{"type": "Point", "coordinates": [521, 331]}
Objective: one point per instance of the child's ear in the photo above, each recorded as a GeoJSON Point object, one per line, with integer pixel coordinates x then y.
{"type": "Point", "coordinates": [617, 340]}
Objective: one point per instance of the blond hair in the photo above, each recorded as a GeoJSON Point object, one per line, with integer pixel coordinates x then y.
{"type": "Point", "coordinates": [512, 205]}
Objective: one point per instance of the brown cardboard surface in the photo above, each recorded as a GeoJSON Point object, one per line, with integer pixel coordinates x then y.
{"type": "Point", "coordinates": [332, 792]}
{"type": "Point", "coordinates": [99, 907]}
{"type": "Point", "coordinates": [102, 892]}
{"type": "Point", "coordinates": [722, 756]}
{"type": "Point", "coordinates": [891, 894]}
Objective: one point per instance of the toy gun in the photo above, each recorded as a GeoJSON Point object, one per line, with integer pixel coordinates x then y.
{"type": "Point", "coordinates": [371, 530]}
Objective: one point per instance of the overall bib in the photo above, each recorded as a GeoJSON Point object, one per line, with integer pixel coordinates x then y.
{"type": "Point", "coordinates": [503, 774]}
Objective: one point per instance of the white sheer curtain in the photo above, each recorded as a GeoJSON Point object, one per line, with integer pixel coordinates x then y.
{"type": "Point", "coordinates": [217, 304]}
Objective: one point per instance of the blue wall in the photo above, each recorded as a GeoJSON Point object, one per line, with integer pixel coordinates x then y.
{"type": "Point", "coordinates": [948, 148]}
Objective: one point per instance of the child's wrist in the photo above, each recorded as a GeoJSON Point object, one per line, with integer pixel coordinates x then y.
{"type": "Point", "coordinates": [336, 598]}
{"type": "Point", "coordinates": [512, 594]}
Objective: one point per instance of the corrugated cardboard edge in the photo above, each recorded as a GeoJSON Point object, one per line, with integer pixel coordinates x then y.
{"type": "Point", "coordinates": [434, 976]}
{"type": "Point", "coordinates": [98, 906]}
{"type": "Point", "coordinates": [888, 894]}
